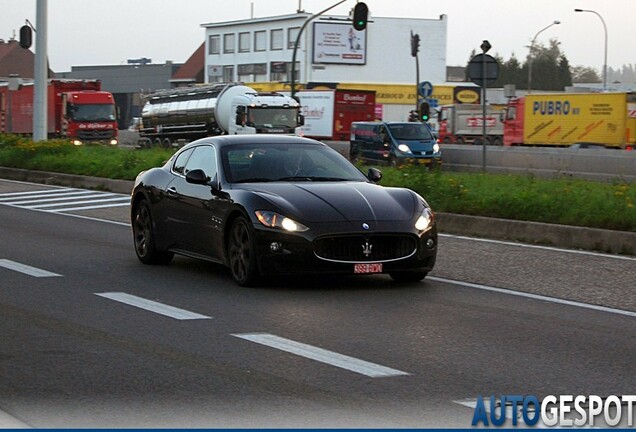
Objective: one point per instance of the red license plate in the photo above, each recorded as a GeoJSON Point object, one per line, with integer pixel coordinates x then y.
{"type": "Point", "coordinates": [367, 268]}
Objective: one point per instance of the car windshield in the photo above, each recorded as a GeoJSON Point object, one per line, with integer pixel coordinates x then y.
{"type": "Point", "coordinates": [410, 131]}
{"type": "Point", "coordinates": [92, 112]}
{"type": "Point", "coordinates": [246, 163]}
{"type": "Point", "coordinates": [272, 117]}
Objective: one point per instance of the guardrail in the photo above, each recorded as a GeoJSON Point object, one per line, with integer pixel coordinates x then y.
{"type": "Point", "coordinates": [591, 164]}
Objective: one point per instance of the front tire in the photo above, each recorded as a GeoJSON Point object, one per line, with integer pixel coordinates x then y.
{"type": "Point", "coordinates": [408, 276]}
{"type": "Point", "coordinates": [144, 237]}
{"type": "Point", "coordinates": [242, 253]}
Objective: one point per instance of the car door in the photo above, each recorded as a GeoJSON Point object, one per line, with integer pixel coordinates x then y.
{"type": "Point", "coordinates": [200, 211]}
{"type": "Point", "coordinates": [173, 216]}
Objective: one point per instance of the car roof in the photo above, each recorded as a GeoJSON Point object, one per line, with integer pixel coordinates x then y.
{"type": "Point", "coordinates": [227, 140]}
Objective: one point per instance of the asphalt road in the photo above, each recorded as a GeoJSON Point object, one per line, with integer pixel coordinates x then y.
{"type": "Point", "coordinates": [194, 350]}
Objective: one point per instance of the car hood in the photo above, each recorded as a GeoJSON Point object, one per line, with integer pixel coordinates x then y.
{"type": "Point", "coordinates": [338, 201]}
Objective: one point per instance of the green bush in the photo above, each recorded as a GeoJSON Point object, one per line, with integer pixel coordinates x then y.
{"type": "Point", "coordinates": [522, 197]}
{"type": "Point", "coordinates": [92, 160]}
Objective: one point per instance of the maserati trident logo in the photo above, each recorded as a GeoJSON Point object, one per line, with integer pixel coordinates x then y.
{"type": "Point", "coordinates": [367, 248]}
{"type": "Point", "coordinates": [365, 226]}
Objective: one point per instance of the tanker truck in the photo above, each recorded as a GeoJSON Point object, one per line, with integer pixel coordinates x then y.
{"type": "Point", "coordinates": [176, 116]}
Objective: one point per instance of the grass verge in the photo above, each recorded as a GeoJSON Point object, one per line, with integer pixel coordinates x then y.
{"type": "Point", "coordinates": [518, 197]}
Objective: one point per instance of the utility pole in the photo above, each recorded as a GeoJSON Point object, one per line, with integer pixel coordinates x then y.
{"type": "Point", "coordinates": [40, 74]}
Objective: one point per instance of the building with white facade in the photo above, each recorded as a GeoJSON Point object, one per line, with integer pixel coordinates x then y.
{"type": "Point", "coordinates": [330, 54]}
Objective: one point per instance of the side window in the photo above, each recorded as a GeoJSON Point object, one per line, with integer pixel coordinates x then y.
{"type": "Point", "coordinates": [178, 166]}
{"type": "Point", "coordinates": [381, 134]}
{"type": "Point", "coordinates": [203, 158]}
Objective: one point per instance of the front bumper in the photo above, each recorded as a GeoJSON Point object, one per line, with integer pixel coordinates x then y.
{"type": "Point", "coordinates": [281, 253]}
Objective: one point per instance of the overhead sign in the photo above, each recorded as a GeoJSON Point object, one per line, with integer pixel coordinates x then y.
{"type": "Point", "coordinates": [339, 44]}
{"type": "Point", "coordinates": [478, 71]}
{"type": "Point", "coordinates": [425, 89]}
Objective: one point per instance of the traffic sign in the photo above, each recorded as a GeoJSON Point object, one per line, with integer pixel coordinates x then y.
{"type": "Point", "coordinates": [476, 69]}
{"type": "Point", "coordinates": [434, 103]}
{"type": "Point", "coordinates": [425, 89]}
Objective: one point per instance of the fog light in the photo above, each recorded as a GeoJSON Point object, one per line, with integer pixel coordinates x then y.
{"type": "Point", "coordinates": [275, 246]}
{"type": "Point", "coordinates": [430, 243]}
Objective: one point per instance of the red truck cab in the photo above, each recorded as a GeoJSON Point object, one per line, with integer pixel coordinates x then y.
{"type": "Point", "coordinates": [513, 122]}
{"type": "Point", "coordinates": [76, 109]}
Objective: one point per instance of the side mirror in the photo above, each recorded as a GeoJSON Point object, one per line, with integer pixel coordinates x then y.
{"type": "Point", "coordinates": [301, 120]}
{"type": "Point", "coordinates": [240, 115]}
{"type": "Point", "coordinates": [197, 176]}
{"type": "Point", "coordinates": [374, 174]}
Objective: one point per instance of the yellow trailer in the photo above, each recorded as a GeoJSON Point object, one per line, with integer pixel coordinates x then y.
{"type": "Point", "coordinates": [562, 119]}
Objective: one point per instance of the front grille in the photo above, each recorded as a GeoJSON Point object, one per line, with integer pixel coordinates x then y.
{"type": "Point", "coordinates": [360, 248]}
{"type": "Point", "coordinates": [94, 135]}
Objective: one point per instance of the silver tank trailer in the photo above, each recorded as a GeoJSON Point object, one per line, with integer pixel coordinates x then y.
{"type": "Point", "coordinates": [187, 113]}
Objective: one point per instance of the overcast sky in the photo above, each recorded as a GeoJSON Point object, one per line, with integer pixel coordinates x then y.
{"type": "Point", "coordinates": [99, 32]}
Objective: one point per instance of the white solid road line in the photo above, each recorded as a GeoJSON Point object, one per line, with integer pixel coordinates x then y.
{"type": "Point", "coordinates": [533, 246]}
{"type": "Point", "coordinates": [314, 353]}
{"type": "Point", "coordinates": [152, 306]}
{"type": "Point", "coordinates": [535, 296]}
{"type": "Point", "coordinates": [28, 270]}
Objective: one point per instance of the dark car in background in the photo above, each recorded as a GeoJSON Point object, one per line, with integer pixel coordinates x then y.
{"type": "Point", "coordinates": [394, 143]}
{"type": "Point", "coordinates": [271, 205]}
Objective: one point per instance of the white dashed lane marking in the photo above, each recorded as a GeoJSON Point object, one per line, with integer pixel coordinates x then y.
{"type": "Point", "coordinates": [152, 306]}
{"type": "Point", "coordinates": [318, 354]}
{"type": "Point", "coordinates": [25, 269]}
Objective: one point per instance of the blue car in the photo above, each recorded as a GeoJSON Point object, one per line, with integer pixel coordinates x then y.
{"type": "Point", "coordinates": [394, 143]}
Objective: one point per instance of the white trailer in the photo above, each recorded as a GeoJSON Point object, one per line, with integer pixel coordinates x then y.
{"type": "Point", "coordinates": [463, 124]}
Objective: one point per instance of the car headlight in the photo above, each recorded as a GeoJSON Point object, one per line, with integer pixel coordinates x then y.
{"type": "Point", "coordinates": [436, 148]}
{"type": "Point", "coordinates": [274, 220]}
{"type": "Point", "coordinates": [425, 221]}
{"type": "Point", "coordinates": [404, 148]}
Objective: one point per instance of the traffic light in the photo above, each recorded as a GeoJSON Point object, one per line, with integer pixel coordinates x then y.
{"type": "Point", "coordinates": [425, 111]}
{"type": "Point", "coordinates": [415, 45]}
{"type": "Point", "coordinates": [360, 16]}
{"type": "Point", "coordinates": [26, 37]}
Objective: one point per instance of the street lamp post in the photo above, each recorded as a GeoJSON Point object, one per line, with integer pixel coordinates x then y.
{"type": "Point", "coordinates": [300, 32]}
{"type": "Point", "coordinates": [605, 58]}
{"type": "Point", "coordinates": [555, 22]}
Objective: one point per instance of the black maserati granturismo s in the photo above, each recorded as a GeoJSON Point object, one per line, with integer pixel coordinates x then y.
{"type": "Point", "coordinates": [274, 205]}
